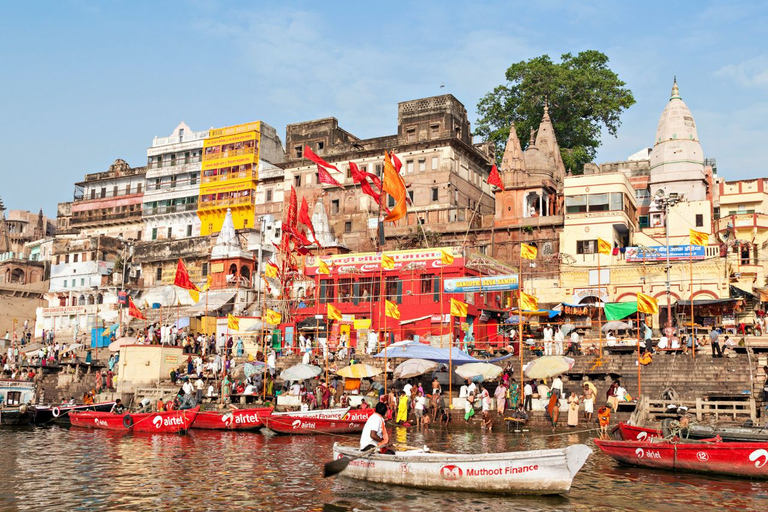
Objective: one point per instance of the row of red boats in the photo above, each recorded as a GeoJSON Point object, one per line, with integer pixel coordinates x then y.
{"type": "Point", "coordinates": [327, 421]}
{"type": "Point", "coordinates": [641, 446]}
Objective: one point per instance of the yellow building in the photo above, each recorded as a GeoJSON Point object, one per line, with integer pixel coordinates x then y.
{"type": "Point", "coordinates": [229, 176]}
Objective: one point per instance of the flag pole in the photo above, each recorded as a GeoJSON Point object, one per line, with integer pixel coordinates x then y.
{"type": "Point", "coordinates": [264, 341]}
{"type": "Point", "coordinates": [450, 359]}
{"type": "Point", "coordinates": [385, 350]}
{"type": "Point", "coordinates": [599, 303]}
{"type": "Point", "coordinates": [639, 385]}
{"type": "Point", "coordinates": [520, 314]}
{"type": "Point", "coordinates": [693, 326]}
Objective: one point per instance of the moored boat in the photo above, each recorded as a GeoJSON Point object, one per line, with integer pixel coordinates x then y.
{"type": "Point", "coordinates": [236, 419]}
{"type": "Point", "coordinates": [45, 414]}
{"type": "Point", "coordinates": [528, 472]}
{"type": "Point", "coordinates": [17, 416]}
{"type": "Point", "coordinates": [626, 432]}
{"type": "Point", "coordinates": [156, 422]}
{"type": "Point", "coordinates": [318, 422]}
{"type": "Point", "coordinates": [725, 458]}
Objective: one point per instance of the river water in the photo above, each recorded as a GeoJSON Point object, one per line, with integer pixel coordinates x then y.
{"type": "Point", "coordinates": [77, 469]}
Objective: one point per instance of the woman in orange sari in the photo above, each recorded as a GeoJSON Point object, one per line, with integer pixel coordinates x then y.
{"type": "Point", "coordinates": [554, 409]}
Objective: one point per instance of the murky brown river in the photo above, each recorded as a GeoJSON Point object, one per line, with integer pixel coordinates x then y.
{"type": "Point", "coordinates": [76, 469]}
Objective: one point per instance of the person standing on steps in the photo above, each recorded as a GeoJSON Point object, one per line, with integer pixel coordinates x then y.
{"type": "Point", "coordinates": [714, 337]}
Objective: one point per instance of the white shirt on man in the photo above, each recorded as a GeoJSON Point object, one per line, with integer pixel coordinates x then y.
{"type": "Point", "coordinates": [548, 333]}
{"type": "Point", "coordinates": [472, 389]}
{"type": "Point", "coordinates": [375, 423]}
{"type": "Point", "coordinates": [407, 389]}
{"type": "Point", "coordinates": [663, 342]}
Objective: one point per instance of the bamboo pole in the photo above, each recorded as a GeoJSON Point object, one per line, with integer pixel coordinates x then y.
{"type": "Point", "coordinates": [520, 315]}
{"type": "Point", "coordinates": [599, 306]}
{"type": "Point", "coordinates": [693, 327]}
{"type": "Point", "coordinates": [639, 385]}
{"type": "Point", "coordinates": [264, 343]}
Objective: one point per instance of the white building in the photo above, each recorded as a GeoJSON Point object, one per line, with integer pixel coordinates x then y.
{"type": "Point", "coordinates": [173, 185]}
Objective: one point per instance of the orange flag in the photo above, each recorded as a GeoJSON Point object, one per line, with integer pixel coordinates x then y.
{"type": "Point", "coordinates": [394, 185]}
{"type": "Point", "coordinates": [182, 279]}
{"type": "Point", "coordinates": [134, 311]}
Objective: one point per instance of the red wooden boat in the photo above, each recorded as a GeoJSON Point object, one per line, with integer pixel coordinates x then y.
{"type": "Point", "coordinates": [156, 422]}
{"type": "Point", "coordinates": [315, 422]}
{"type": "Point", "coordinates": [236, 419]}
{"type": "Point", "coordinates": [732, 459]}
{"type": "Point", "coordinates": [627, 432]}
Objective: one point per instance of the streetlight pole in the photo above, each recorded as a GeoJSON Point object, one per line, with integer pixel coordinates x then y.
{"type": "Point", "coordinates": [664, 202]}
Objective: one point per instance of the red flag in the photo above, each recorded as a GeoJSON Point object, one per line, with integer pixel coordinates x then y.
{"type": "Point", "coordinates": [325, 177]}
{"type": "Point", "coordinates": [494, 178]}
{"type": "Point", "coordinates": [362, 178]}
{"type": "Point", "coordinates": [396, 161]}
{"type": "Point", "coordinates": [305, 219]}
{"type": "Point", "coordinates": [374, 179]}
{"type": "Point", "coordinates": [134, 311]}
{"type": "Point", "coordinates": [298, 235]}
{"type": "Point", "coordinates": [319, 161]}
{"type": "Point", "coordinates": [290, 212]}
{"type": "Point", "coordinates": [182, 278]}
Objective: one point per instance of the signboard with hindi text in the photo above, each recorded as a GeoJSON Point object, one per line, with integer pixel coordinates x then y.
{"type": "Point", "coordinates": [485, 284]}
{"type": "Point", "coordinates": [659, 253]}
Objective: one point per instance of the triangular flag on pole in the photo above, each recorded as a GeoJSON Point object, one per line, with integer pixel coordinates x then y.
{"type": "Point", "coordinates": [603, 247]}
{"type": "Point", "coordinates": [494, 178]}
{"type": "Point", "coordinates": [233, 322]}
{"type": "Point", "coordinates": [333, 313]}
{"type": "Point", "coordinates": [458, 308]}
{"type": "Point", "coordinates": [647, 304]}
{"type": "Point", "coordinates": [528, 252]}
{"type": "Point", "coordinates": [392, 310]}
{"type": "Point", "coordinates": [182, 279]}
{"type": "Point", "coordinates": [387, 262]}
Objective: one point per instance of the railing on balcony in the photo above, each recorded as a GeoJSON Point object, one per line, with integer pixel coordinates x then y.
{"type": "Point", "coordinates": [229, 202]}
{"type": "Point", "coordinates": [231, 176]}
{"type": "Point", "coordinates": [174, 208]}
{"type": "Point", "coordinates": [123, 217]}
{"type": "Point", "coordinates": [226, 154]}
{"type": "Point", "coordinates": [154, 164]}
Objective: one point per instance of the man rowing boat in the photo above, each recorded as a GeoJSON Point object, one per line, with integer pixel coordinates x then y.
{"type": "Point", "coordinates": [375, 431]}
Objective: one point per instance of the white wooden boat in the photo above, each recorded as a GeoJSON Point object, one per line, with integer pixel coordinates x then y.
{"type": "Point", "coordinates": [531, 472]}
{"type": "Point", "coordinates": [329, 414]}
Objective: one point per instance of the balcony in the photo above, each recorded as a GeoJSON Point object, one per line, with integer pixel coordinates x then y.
{"type": "Point", "coordinates": [743, 221]}
{"type": "Point", "coordinates": [178, 163]}
{"type": "Point", "coordinates": [208, 157]}
{"type": "Point", "coordinates": [227, 203]}
{"type": "Point", "coordinates": [80, 219]}
{"type": "Point", "coordinates": [253, 174]}
{"type": "Point", "coordinates": [174, 208]}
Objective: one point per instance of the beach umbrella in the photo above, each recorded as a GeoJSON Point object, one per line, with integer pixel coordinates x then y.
{"type": "Point", "coordinates": [72, 348]}
{"type": "Point", "coordinates": [254, 368]}
{"type": "Point", "coordinates": [358, 371]}
{"type": "Point", "coordinates": [121, 342]}
{"type": "Point", "coordinates": [301, 372]}
{"type": "Point", "coordinates": [548, 366]}
{"type": "Point", "coordinates": [615, 325]}
{"type": "Point", "coordinates": [566, 328]}
{"type": "Point", "coordinates": [479, 371]}
{"type": "Point", "coordinates": [414, 368]}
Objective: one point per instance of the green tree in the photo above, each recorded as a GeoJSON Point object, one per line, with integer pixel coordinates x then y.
{"type": "Point", "coordinates": [584, 96]}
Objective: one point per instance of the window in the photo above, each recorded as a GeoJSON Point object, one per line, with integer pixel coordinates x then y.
{"type": "Point", "coordinates": [576, 204]}
{"type": "Point", "coordinates": [103, 192]}
{"type": "Point", "coordinates": [410, 195]}
{"type": "Point", "coordinates": [347, 227]}
{"type": "Point", "coordinates": [320, 145]}
{"type": "Point", "coordinates": [114, 191]}
{"type": "Point", "coordinates": [335, 207]}
{"type": "Point", "coordinates": [193, 178]}
{"type": "Point", "coordinates": [699, 220]}
{"type": "Point", "coordinates": [617, 201]}
{"type": "Point", "coordinates": [154, 233]}
{"type": "Point", "coordinates": [66, 258]}
{"type": "Point", "coordinates": [326, 291]}
{"type": "Point", "coordinates": [644, 222]}
{"type": "Point", "coordinates": [434, 130]}
{"type": "Point", "coordinates": [204, 269]}
{"type": "Point", "coordinates": [170, 232]}
{"type": "Point", "coordinates": [586, 247]}
{"type": "Point", "coordinates": [65, 283]}
{"type": "Point", "coordinates": [297, 180]}
{"type": "Point", "coordinates": [390, 201]}
{"type": "Point", "coordinates": [269, 195]}
{"type": "Point", "coordinates": [93, 193]}
{"type": "Point", "coordinates": [75, 257]}
{"type": "Point", "coordinates": [409, 165]}
{"type": "Point", "coordinates": [82, 281]}
{"type": "Point", "coordinates": [643, 197]}
{"type": "Point", "coordinates": [422, 164]}
{"type": "Point", "coordinates": [434, 163]}
{"type": "Point", "coordinates": [427, 281]}
{"type": "Point", "coordinates": [349, 172]}
{"type": "Point", "coordinates": [299, 151]}
{"type": "Point", "coordinates": [189, 229]}
{"type": "Point", "coordinates": [378, 169]}
{"type": "Point", "coordinates": [159, 274]}
{"type": "Point", "coordinates": [435, 192]}
{"type": "Point", "coordinates": [410, 135]}
{"type": "Point", "coordinates": [599, 202]}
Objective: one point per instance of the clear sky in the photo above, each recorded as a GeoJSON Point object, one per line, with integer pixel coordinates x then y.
{"type": "Point", "coordinates": [86, 82]}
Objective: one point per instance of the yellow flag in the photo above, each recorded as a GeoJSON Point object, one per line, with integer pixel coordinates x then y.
{"type": "Point", "coordinates": [392, 310]}
{"type": "Point", "coordinates": [387, 262]}
{"type": "Point", "coordinates": [647, 304]}
{"type": "Point", "coordinates": [446, 258]}
{"type": "Point", "coordinates": [603, 247]}
{"type": "Point", "coordinates": [322, 267]}
{"type": "Point", "coordinates": [458, 308]}
{"type": "Point", "coordinates": [208, 283]}
{"type": "Point", "coordinates": [272, 317]}
{"type": "Point", "coordinates": [528, 252]}
{"type": "Point", "coordinates": [233, 323]}
{"type": "Point", "coordinates": [271, 270]}
{"type": "Point", "coordinates": [528, 302]}
{"type": "Point", "coordinates": [195, 295]}
{"type": "Point", "coordinates": [333, 313]}
{"type": "Point", "coordinates": [699, 238]}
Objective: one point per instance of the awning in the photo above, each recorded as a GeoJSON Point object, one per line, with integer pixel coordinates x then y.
{"type": "Point", "coordinates": [620, 310]}
{"type": "Point", "coordinates": [706, 302]}
{"type": "Point", "coordinates": [411, 320]}
{"type": "Point", "coordinates": [740, 293]}
{"type": "Point", "coordinates": [215, 301]}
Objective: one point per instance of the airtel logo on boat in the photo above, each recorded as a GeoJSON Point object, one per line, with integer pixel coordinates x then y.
{"type": "Point", "coordinates": [99, 422]}
{"type": "Point", "coordinates": [451, 472]}
{"type": "Point", "coordinates": [172, 421]}
{"type": "Point", "coordinates": [642, 435]}
{"type": "Point", "coordinates": [759, 457]}
{"type": "Point", "coordinates": [357, 417]}
{"type": "Point", "coordinates": [300, 424]}
{"type": "Point", "coordinates": [229, 418]}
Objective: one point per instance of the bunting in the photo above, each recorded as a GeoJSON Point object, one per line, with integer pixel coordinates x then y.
{"type": "Point", "coordinates": [603, 247]}
{"type": "Point", "coordinates": [333, 313]}
{"type": "Point", "coordinates": [182, 279]}
{"type": "Point", "coordinates": [528, 252]}
{"type": "Point", "coordinates": [647, 304]}
{"type": "Point", "coordinates": [392, 310]}
{"type": "Point", "coordinates": [458, 308]}
{"type": "Point", "coordinates": [494, 178]}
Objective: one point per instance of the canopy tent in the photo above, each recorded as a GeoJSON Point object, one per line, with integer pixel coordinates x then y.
{"type": "Point", "coordinates": [215, 301]}
{"type": "Point", "coordinates": [706, 302]}
{"type": "Point", "coordinates": [620, 310]}
{"type": "Point", "coordinates": [414, 349]}
{"type": "Point", "coordinates": [550, 313]}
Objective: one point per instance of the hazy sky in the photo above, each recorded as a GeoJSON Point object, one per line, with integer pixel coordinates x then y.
{"type": "Point", "coordinates": [86, 82]}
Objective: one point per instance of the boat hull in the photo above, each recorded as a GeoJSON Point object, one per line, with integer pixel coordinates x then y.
{"type": "Point", "coordinates": [166, 422]}
{"type": "Point", "coordinates": [17, 416]}
{"type": "Point", "coordinates": [303, 424]}
{"type": "Point", "coordinates": [60, 413]}
{"type": "Point", "coordinates": [238, 419]}
{"type": "Point", "coordinates": [732, 459]}
{"type": "Point", "coordinates": [531, 472]}
{"type": "Point", "coordinates": [626, 432]}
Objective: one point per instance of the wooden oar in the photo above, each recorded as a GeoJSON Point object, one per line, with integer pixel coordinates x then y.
{"type": "Point", "coordinates": [335, 467]}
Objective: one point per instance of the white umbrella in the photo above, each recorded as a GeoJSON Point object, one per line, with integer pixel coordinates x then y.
{"type": "Point", "coordinates": [484, 371]}
{"type": "Point", "coordinates": [615, 325]}
{"type": "Point", "coordinates": [301, 372]}
{"type": "Point", "coordinates": [71, 348]}
{"type": "Point", "coordinates": [548, 366]}
{"type": "Point", "coordinates": [414, 368]}
{"type": "Point", "coordinates": [358, 371]}
{"type": "Point", "coordinates": [121, 342]}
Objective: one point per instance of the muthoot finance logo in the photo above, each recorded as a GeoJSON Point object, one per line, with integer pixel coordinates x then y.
{"type": "Point", "coordinates": [451, 472]}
